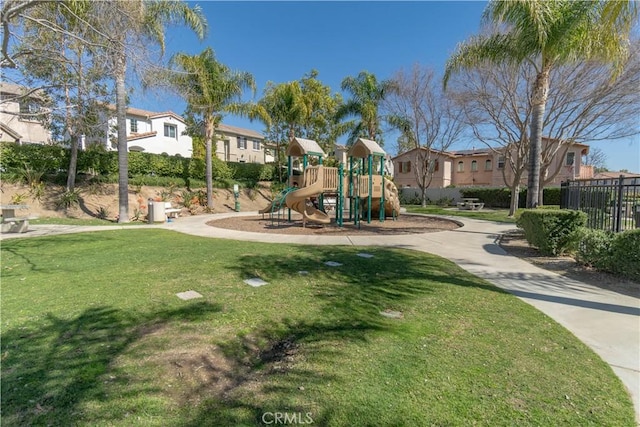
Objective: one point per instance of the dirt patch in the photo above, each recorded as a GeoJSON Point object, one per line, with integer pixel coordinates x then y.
{"type": "Point", "coordinates": [515, 244]}
{"type": "Point", "coordinates": [404, 224]}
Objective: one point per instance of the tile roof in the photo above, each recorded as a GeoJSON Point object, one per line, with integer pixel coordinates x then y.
{"type": "Point", "coordinates": [135, 136]}
{"type": "Point", "coordinates": [239, 131]}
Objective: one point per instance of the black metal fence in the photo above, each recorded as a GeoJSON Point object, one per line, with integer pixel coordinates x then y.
{"type": "Point", "coordinates": [610, 204]}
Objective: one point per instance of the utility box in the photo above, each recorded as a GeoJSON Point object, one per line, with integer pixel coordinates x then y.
{"type": "Point", "coordinates": [156, 211]}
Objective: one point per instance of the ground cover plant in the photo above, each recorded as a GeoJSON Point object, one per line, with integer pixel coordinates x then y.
{"type": "Point", "coordinates": [93, 334]}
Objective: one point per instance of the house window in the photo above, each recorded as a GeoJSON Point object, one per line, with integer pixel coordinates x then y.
{"type": "Point", "coordinates": [571, 158]}
{"type": "Point", "coordinates": [256, 145]}
{"type": "Point", "coordinates": [134, 125]}
{"type": "Point", "coordinates": [487, 165]}
{"type": "Point", "coordinates": [407, 167]}
{"type": "Point", "coordinates": [474, 165]}
{"type": "Point", "coordinates": [170, 130]}
{"type": "Point", "coordinates": [501, 161]}
{"type": "Point", "coordinates": [460, 166]}
{"type": "Point", "coordinates": [242, 143]}
{"type": "Point", "coordinates": [433, 166]}
{"type": "Point", "coordinates": [29, 111]}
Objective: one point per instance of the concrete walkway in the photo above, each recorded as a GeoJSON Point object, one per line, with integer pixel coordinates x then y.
{"type": "Point", "coordinates": [608, 322]}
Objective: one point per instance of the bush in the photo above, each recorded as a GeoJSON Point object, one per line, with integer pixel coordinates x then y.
{"type": "Point", "coordinates": [593, 248]}
{"type": "Point", "coordinates": [553, 232]}
{"type": "Point", "coordinates": [491, 197]}
{"type": "Point", "coordinates": [252, 171]}
{"type": "Point", "coordinates": [625, 254]}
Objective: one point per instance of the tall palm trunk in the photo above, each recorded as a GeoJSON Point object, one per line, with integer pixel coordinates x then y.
{"type": "Point", "coordinates": [123, 155]}
{"type": "Point", "coordinates": [208, 137]}
{"type": "Point", "coordinates": [539, 103]}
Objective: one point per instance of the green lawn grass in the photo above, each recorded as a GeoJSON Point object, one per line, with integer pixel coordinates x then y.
{"type": "Point", "coordinates": [93, 334]}
{"type": "Point", "coordinates": [80, 221]}
{"type": "Point", "coordinates": [498, 215]}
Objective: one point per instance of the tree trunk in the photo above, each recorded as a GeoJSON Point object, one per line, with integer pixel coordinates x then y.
{"type": "Point", "coordinates": [208, 136]}
{"type": "Point", "coordinates": [539, 102]}
{"type": "Point", "coordinates": [515, 199]}
{"type": "Point", "coordinates": [73, 163]}
{"type": "Point", "coordinates": [123, 155]}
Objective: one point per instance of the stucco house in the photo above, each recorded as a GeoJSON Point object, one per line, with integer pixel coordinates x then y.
{"type": "Point", "coordinates": [484, 167]}
{"type": "Point", "coordinates": [148, 131]}
{"type": "Point", "coordinates": [241, 145]}
{"type": "Point", "coordinates": [22, 116]}
{"type": "Point", "coordinates": [163, 132]}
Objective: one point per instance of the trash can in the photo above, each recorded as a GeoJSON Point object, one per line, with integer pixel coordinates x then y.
{"type": "Point", "coordinates": [156, 211]}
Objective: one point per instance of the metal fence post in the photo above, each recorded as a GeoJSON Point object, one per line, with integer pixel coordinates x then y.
{"type": "Point", "coordinates": [619, 204]}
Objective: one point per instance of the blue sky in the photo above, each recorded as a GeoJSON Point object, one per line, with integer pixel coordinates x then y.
{"type": "Point", "coordinates": [282, 41]}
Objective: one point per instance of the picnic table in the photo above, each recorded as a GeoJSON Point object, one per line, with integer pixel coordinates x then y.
{"type": "Point", "coordinates": [470, 203]}
{"type": "Point", "coordinates": [12, 223]}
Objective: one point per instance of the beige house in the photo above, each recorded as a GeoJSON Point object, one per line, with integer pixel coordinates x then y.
{"type": "Point", "coordinates": [241, 145]}
{"type": "Point", "coordinates": [164, 132]}
{"type": "Point", "coordinates": [485, 167]}
{"type": "Point", "coordinates": [22, 116]}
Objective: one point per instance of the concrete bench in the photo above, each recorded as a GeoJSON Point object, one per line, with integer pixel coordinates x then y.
{"type": "Point", "coordinates": [470, 206]}
{"type": "Point", "coordinates": [15, 225]}
{"type": "Point", "coordinates": [170, 211]}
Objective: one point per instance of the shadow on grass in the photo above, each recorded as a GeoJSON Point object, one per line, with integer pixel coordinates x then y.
{"type": "Point", "coordinates": [50, 369]}
{"type": "Point", "coordinates": [274, 364]}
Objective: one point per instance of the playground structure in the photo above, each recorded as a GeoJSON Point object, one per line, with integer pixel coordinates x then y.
{"type": "Point", "coordinates": [359, 192]}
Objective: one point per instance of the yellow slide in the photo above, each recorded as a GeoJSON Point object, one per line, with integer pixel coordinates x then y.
{"type": "Point", "coordinates": [297, 200]}
{"type": "Point", "coordinates": [391, 200]}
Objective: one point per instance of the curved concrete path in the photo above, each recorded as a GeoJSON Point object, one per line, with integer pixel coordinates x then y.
{"type": "Point", "coordinates": [608, 322]}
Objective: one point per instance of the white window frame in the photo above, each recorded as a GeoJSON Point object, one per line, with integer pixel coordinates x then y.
{"type": "Point", "coordinates": [167, 130]}
{"type": "Point", "coordinates": [460, 166]}
{"type": "Point", "coordinates": [501, 162]}
{"type": "Point", "coordinates": [256, 145]}
{"type": "Point", "coordinates": [134, 125]}
{"type": "Point", "coordinates": [474, 165]}
{"type": "Point", "coordinates": [242, 142]}
{"type": "Point", "coordinates": [488, 165]}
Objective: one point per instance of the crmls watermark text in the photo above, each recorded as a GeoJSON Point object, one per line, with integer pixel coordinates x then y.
{"type": "Point", "coordinates": [284, 418]}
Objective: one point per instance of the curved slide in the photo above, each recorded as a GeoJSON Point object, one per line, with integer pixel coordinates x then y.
{"type": "Point", "coordinates": [391, 200]}
{"type": "Point", "coordinates": [297, 200]}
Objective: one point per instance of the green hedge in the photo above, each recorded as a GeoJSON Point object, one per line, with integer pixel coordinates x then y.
{"type": "Point", "coordinates": [617, 253]}
{"type": "Point", "coordinates": [501, 197]}
{"type": "Point", "coordinates": [252, 172]}
{"type": "Point", "coordinates": [593, 248]}
{"type": "Point", "coordinates": [625, 254]}
{"type": "Point", "coordinates": [552, 231]}
{"type": "Point", "coordinates": [51, 159]}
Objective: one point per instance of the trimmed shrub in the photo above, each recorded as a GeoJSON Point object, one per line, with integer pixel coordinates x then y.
{"type": "Point", "coordinates": [553, 232]}
{"type": "Point", "coordinates": [252, 172]}
{"type": "Point", "coordinates": [625, 254]}
{"type": "Point", "coordinates": [593, 248]}
{"type": "Point", "coordinates": [491, 197]}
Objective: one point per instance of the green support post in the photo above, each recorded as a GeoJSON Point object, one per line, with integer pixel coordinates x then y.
{"type": "Point", "coordinates": [340, 200]}
{"type": "Point", "coordinates": [382, 213]}
{"type": "Point", "coordinates": [370, 198]}
{"type": "Point", "coordinates": [290, 173]}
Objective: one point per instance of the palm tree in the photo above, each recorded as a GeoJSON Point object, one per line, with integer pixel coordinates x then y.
{"type": "Point", "coordinates": [366, 96]}
{"type": "Point", "coordinates": [287, 109]}
{"type": "Point", "coordinates": [126, 20]}
{"type": "Point", "coordinates": [547, 34]}
{"type": "Point", "coordinates": [211, 89]}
